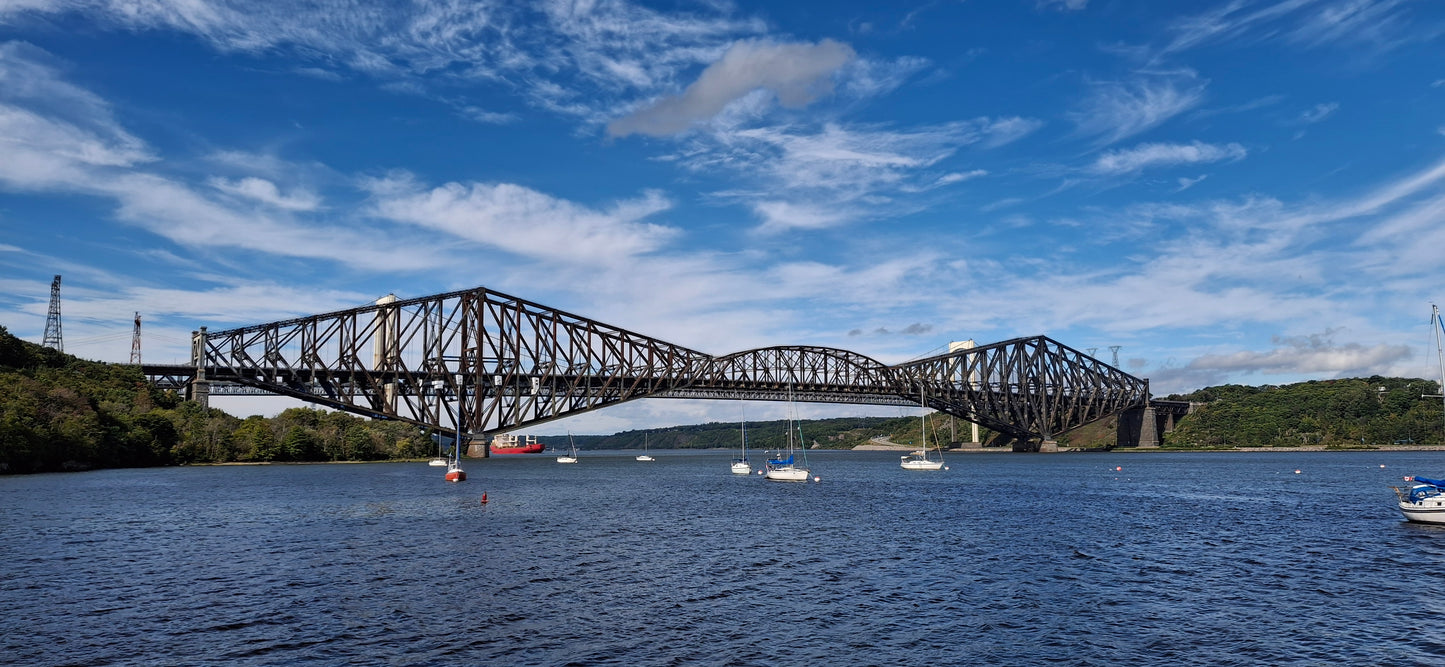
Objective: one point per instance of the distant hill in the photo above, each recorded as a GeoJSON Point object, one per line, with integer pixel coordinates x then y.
{"type": "Point", "coordinates": [840, 433]}
{"type": "Point", "coordinates": [59, 413]}
{"type": "Point", "coordinates": [1340, 413]}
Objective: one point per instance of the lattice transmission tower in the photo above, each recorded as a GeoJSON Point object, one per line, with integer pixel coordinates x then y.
{"type": "Point", "coordinates": [135, 342]}
{"type": "Point", "coordinates": [1115, 350]}
{"type": "Point", "coordinates": [52, 321]}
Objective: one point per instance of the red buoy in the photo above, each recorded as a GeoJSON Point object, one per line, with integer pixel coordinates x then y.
{"type": "Point", "coordinates": [484, 497]}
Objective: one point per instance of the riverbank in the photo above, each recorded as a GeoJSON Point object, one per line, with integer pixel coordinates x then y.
{"type": "Point", "coordinates": [883, 445]}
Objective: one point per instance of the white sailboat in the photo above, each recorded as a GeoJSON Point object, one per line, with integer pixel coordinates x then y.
{"type": "Point", "coordinates": [644, 456]}
{"type": "Point", "coordinates": [438, 461]}
{"type": "Point", "coordinates": [918, 460]}
{"type": "Point", "coordinates": [741, 465]}
{"type": "Point", "coordinates": [1424, 502]}
{"type": "Point", "coordinates": [788, 469]}
{"type": "Point", "coordinates": [571, 457]}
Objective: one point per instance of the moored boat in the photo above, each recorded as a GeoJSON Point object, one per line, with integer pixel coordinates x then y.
{"type": "Point", "coordinates": [644, 456]}
{"type": "Point", "coordinates": [741, 466]}
{"type": "Point", "coordinates": [781, 469]}
{"type": "Point", "coordinates": [918, 460]}
{"type": "Point", "coordinates": [1424, 502]}
{"type": "Point", "coordinates": [785, 470]}
{"type": "Point", "coordinates": [506, 443]}
{"type": "Point", "coordinates": [570, 457]}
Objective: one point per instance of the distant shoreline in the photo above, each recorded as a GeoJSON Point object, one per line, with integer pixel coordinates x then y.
{"type": "Point", "coordinates": [880, 447]}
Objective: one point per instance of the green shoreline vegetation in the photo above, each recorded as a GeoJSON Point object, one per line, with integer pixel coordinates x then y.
{"type": "Point", "coordinates": [61, 413]}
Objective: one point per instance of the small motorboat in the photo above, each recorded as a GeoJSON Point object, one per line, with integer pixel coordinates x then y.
{"type": "Point", "coordinates": [1424, 502]}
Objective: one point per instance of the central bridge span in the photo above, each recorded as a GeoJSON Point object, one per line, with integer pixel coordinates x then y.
{"type": "Point", "coordinates": [489, 362]}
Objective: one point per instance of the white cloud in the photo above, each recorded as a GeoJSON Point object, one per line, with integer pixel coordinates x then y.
{"type": "Point", "coordinates": [1145, 156]}
{"type": "Point", "coordinates": [1315, 354]}
{"type": "Point", "coordinates": [1381, 24]}
{"type": "Point", "coordinates": [265, 191]}
{"type": "Point", "coordinates": [42, 114]}
{"type": "Point", "coordinates": [529, 223]}
{"type": "Point", "coordinates": [1186, 183]}
{"type": "Point", "coordinates": [1063, 5]}
{"type": "Point", "coordinates": [781, 215]}
{"type": "Point", "coordinates": [796, 73]}
{"type": "Point", "coordinates": [865, 78]}
{"type": "Point", "coordinates": [615, 49]}
{"type": "Point", "coordinates": [1318, 113]}
{"type": "Point", "coordinates": [1118, 110]}
{"type": "Point", "coordinates": [488, 117]}
{"type": "Point", "coordinates": [813, 177]}
{"type": "Point", "coordinates": [959, 177]}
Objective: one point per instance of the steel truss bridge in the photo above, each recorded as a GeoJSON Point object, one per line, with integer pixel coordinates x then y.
{"type": "Point", "coordinates": [488, 362]}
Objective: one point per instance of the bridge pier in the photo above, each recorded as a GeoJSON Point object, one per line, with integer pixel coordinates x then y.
{"type": "Point", "coordinates": [1139, 428]}
{"type": "Point", "coordinates": [199, 390]}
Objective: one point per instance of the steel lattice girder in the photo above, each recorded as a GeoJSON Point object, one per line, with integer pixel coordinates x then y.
{"type": "Point", "coordinates": [515, 363]}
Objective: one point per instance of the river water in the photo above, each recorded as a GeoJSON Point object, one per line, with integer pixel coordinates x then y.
{"type": "Point", "coordinates": [1004, 559]}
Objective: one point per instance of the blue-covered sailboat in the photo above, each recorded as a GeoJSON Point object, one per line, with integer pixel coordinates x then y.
{"type": "Point", "coordinates": [1424, 502]}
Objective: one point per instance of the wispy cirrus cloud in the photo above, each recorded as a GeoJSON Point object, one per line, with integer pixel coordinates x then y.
{"type": "Point", "coordinates": [807, 177]}
{"type": "Point", "coordinates": [612, 50]}
{"type": "Point", "coordinates": [1116, 110]}
{"type": "Point", "coordinates": [266, 192]}
{"type": "Point", "coordinates": [1379, 24]}
{"type": "Point", "coordinates": [1145, 156]}
{"type": "Point", "coordinates": [526, 222]}
{"type": "Point", "coordinates": [83, 150]}
{"type": "Point", "coordinates": [1317, 113]}
{"type": "Point", "coordinates": [1062, 5]}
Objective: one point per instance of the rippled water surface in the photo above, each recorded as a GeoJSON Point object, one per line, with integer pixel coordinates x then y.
{"type": "Point", "coordinates": [1196, 559]}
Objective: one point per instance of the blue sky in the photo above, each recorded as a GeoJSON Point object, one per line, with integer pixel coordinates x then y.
{"type": "Point", "coordinates": [1229, 191]}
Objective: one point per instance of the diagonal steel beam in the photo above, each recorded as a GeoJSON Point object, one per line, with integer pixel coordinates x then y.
{"type": "Point", "coordinates": [493, 362]}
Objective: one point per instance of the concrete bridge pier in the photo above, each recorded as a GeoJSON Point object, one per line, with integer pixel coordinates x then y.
{"type": "Point", "coordinates": [1140, 427]}
{"type": "Point", "coordinates": [200, 389]}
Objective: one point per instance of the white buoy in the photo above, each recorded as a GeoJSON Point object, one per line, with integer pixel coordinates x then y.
{"type": "Point", "coordinates": [817, 478]}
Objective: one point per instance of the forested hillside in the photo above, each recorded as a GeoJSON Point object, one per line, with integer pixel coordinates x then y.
{"type": "Point", "coordinates": [1348, 412]}
{"type": "Point", "coordinates": [62, 413]}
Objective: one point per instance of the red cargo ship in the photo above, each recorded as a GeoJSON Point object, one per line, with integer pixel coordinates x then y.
{"type": "Point", "coordinates": [505, 443]}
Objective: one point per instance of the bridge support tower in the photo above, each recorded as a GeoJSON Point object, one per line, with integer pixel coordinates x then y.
{"type": "Point", "coordinates": [200, 389]}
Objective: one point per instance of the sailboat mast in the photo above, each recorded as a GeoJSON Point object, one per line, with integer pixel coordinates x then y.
{"type": "Point", "coordinates": [923, 419]}
{"type": "Point", "coordinates": [1438, 326]}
